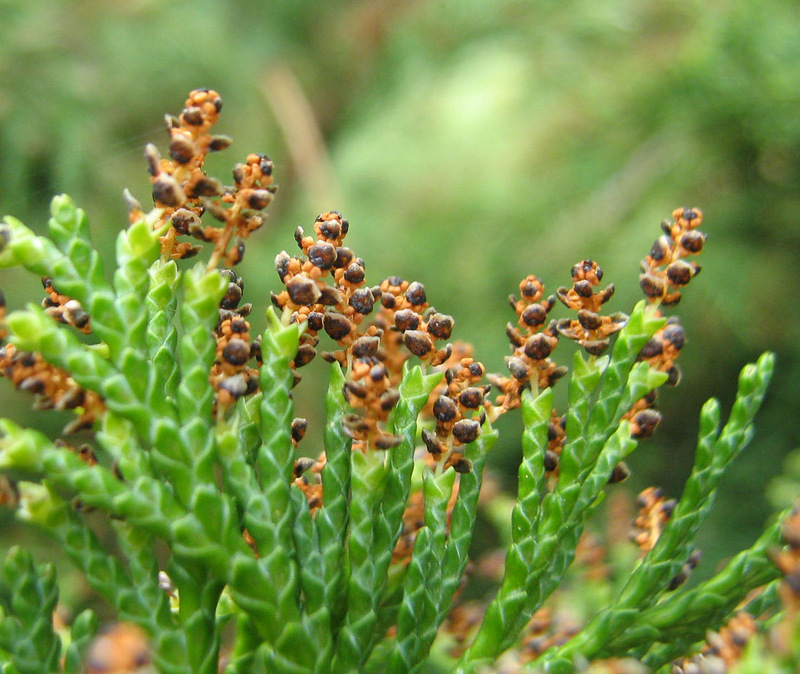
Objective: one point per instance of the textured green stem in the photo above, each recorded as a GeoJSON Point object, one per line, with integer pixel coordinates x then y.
{"type": "Point", "coordinates": [137, 248]}
{"type": "Point", "coordinates": [380, 489]}
{"type": "Point", "coordinates": [689, 613]}
{"type": "Point", "coordinates": [117, 314]}
{"type": "Point", "coordinates": [199, 591]}
{"type": "Point", "coordinates": [75, 268]}
{"type": "Point", "coordinates": [84, 628]}
{"type": "Point", "coordinates": [367, 478]}
{"type": "Point", "coordinates": [715, 451]}
{"type": "Point", "coordinates": [32, 330]}
{"type": "Point", "coordinates": [199, 314]}
{"type": "Point", "coordinates": [462, 524]}
{"type": "Point", "coordinates": [415, 390]}
{"type": "Point", "coordinates": [119, 317]}
{"type": "Point", "coordinates": [584, 380]}
{"type": "Point", "coordinates": [268, 587]}
{"type": "Point", "coordinates": [333, 517]}
{"type": "Point", "coordinates": [26, 631]}
{"type": "Point", "coordinates": [422, 591]}
{"type": "Point", "coordinates": [143, 605]}
{"type": "Point", "coordinates": [592, 428]}
{"type": "Point", "coordinates": [69, 230]}
{"type": "Point", "coordinates": [245, 657]}
{"type": "Point", "coordinates": [119, 439]}
{"type": "Point", "coordinates": [509, 605]}
{"type": "Point", "coordinates": [612, 401]}
{"type": "Point", "coordinates": [162, 336]}
{"type": "Point", "coordinates": [316, 616]}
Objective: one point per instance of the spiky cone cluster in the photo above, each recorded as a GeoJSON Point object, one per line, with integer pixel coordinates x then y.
{"type": "Point", "coordinates": [64, 309]}
{"type": "Point", "coordinates": [660, 353]}
{"type": "Point", "coordinates": [723, 649]}
{"type": "Point", "coordinates": [184, 192]}
{"type": "Point", "coordinates": [325, 289]}
{"type": "Point", "coordinates": [232, 374]}
{"type": "Point", "coordinates": [666, 269]}
{"type": "Point", "coordinates": [663, 272]}
{"type": "Point", "coordinates": [544, 630]}
{"type": "Point", "coordinates": [591, 329]}
{"type": "Point", "coordinates": [655, 510]}
{"type": "Point", "coordinates": [458, 350]}
{"type": "Point", "coordinates": [369, 391]}
{"type": "Point", "coordinates": [307, 471]}
{"type": "Point", "coordinates": [121, 648]}
{"type": "Point", "coordinates": [407, 325]}
{"type": "Point", "coordinates": [459, 413]}
{"type": "Point", "coordinates": [556, 439]}
{"type": "Point", "coordinates": [336, 308]}
{"type": "Point", "coordinates": [461, 624]}
{"type": "Point", "coordinates": [592, 556]}
{"type": "Point", "coordinates": [53, 387]}
{"type": "Point", "coordinates": [532, 341]}
{"type": "Point", "coordinates": [787, 560]}
{"type": "Point", "coordinates": [407, 319]}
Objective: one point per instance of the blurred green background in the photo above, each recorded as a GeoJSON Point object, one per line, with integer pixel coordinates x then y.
{"type": "Point", "coordinates": [469, 143]}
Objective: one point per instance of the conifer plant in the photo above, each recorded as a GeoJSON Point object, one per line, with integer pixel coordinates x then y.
{"type": "Point", "coordinates": [226, 549]}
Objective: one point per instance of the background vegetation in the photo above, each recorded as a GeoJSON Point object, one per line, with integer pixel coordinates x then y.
{"type": "Point", "coordinates": [469, 143]}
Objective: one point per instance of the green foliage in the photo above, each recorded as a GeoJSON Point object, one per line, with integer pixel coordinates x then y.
{"type": "Point", "coordinates": [26, 631]}
{"type": "Point", "coordinates": [650, 579]}
{"type": "Point", "coordinates": [569, 123]}
{"type": "Point", "coordinates": [215, 532]}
